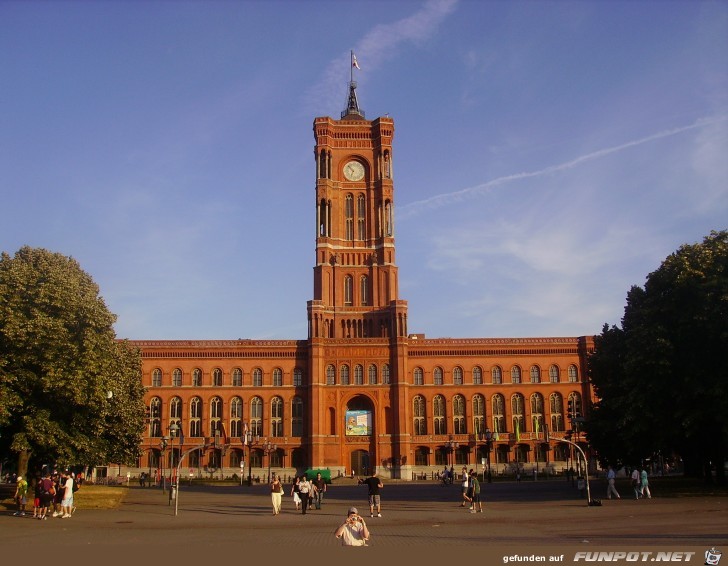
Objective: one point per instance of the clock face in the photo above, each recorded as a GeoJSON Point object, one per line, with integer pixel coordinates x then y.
{"type": "Point", "coordinates": [354, 171]}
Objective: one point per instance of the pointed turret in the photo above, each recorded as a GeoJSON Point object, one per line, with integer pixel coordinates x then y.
{"type": "Point", "coordinates": [352, 112]}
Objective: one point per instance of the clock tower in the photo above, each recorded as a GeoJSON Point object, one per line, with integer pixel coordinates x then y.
{"type": "Point", "coordinates": [355, 276]}
{"type": "Point", "coordinates": [357, 326]}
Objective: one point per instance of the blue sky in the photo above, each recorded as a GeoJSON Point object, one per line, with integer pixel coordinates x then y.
{"type": "Point", "coordinates": [547, 155]}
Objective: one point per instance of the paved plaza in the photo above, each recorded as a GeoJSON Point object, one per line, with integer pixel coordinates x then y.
{"type": "Point", "coordinates": [422, 520]}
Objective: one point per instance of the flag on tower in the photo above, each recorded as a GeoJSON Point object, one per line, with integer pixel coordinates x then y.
{"type": "Point", "coordinates": [354, 62]}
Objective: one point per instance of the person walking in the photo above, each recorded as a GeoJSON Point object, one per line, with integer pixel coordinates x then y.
{"type": "Point", "coordinates": [645, 484]}
{"type": "Point", "coordinates": [374, 484]}
{"type": "Point", "coordinates": [353, 531]}
{"type": "Point", "coordinates": [611, 477]}
{"type": "Point", "coordinates": [276, 493]}
{"type": "Point", "coordinates": [304, 489]}
{"type": "Point", "coordinates": [464, 483]}
{"type": "Point", "coordinates": [636, 483]}
{"type": "Point", "coordinates": [21, 496]}
{"type": "Point", "coordinates": [47, 492]}
{"type": "Point", "coordinates": [295, 493]}
{"type": "Point", "coordinates": [475, 487]}
{"type": "Point", "coordinates": [67, 497]}
{"type": "Point", "coordinates": [319, 489]}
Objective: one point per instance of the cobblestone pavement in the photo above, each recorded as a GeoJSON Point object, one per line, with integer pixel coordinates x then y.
{"type": "Point", "coordinates": [517, 518]}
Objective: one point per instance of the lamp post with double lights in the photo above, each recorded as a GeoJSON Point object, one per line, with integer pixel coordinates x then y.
{"type": "Point", "coordinates": [174, 432]}
{"type": "Point", "coordinates": [269, 448]}
{"type": "Point", "coordinates": [163, 447]}
{"type": "Point", "coordinates": [488, 436]}
{"type": "Point", "coordinates": [249, 439]}
{"type": "Point", "coordinates": [451, 446]}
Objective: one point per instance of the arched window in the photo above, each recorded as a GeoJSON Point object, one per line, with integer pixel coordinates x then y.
{"type": "Point", "coordinates": [155, 415]}
{"type": "Point", "coordinates": [515, 374]}
{"type": "Point", "coordinates": [215, 415]}
{"type": "Point", "coordinates": [358, 375]}
{"type": "Point", "coordinates": [458, 415]}
{"type": "Point", "coordinates": [518, 413]}
{"type": "Point", "coordinates": [236, 417]}
{"type": "Point", "coordinates": [258, 377]}
{"type": "Point", "coordinates": [276, 417]}
{"type": "Point", "coordinates": [297, 417]}
{"type": "Point", "coordinates": [217, 377]}
{"type": "Point", "coordinates": [477, 376]}
{"type": "Point", "coordinates": [372, 374]}
{"type": "Point", "coordinates": [385, 374]}
{"type": "Point", "coordinates": [535, 374]}
{"type": "Point", "coordinates": [297, 377]}
{"type": "Point", "coordinates": [330, 375]}
{"type": "Point", "coordinates": [344, 375]}
{"type": "Point", "coordinates": [196, 377]}
{"type": "Point", "coordinates": [419, 378]}
{"type": "Point", "coordinates": [554, 373]}
{"type": "Point", "coordinates": [237, 377]}
{"type": "Point", "coordinates": [361, 213]}
{"type": "Point", "coordinates": [438, 413]}
{"type": "Point", "coordinates": [175, 410]}
{"type": "Point", "coordinates": [498, 409]}
{"type": "Point", "coordinates": [177, 377]}
{"type": "Point", "coordinates": [364, 290]}
{"type": "Point", "coordinates": [556, 406]}
{"type": "Point", "coordinates": [420, 415]}
{"type": "Point", "coordinates": [537, 413]}
{"type": "Point", "coordinates": [256, 416]}
{"type": "Point", "coordinates": [496, 375]}
{"type": "Point", "coordinates": [573, 374]}
{"type": "Point", "coordinates": [196, 417]}
{"type": "Point", "coordinates": [277, 377]}
{"type": "Point", "coordinates": [349, 212]}
{"type": "Point", "coordinates": [478, 414]}
{"type": "Point", "coordinates": [348, 290]}
{"type": "Point", "coordinates": [157, 377]}
{"type": "Point", "coordinates": [457, 376]}
{"type": "Point", "coordinates": [437, 376]}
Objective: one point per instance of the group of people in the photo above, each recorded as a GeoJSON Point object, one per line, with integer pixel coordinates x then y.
{"type": "Point", "coordinates": [639, 480]}
{"type": "Point", "coordinates": [52, 493]}
{"type": "Point", "coordinates": [470, 486]}
{"type": "Point", "coordinates": [307, 494]}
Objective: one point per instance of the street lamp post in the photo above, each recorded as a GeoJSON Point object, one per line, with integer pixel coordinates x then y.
{"type": "Point", "coordinates": [488, 440]}
{"type": "Point", "coordinates": [174, 430]}
{"type": "Point", "coordinates": [451, 447]}
{"type": "Point", "coordinates": [249, 439]}
{"type": "Point", "coordinates": [269, 448]}
{"type": "Point", "coordinates": [163, 445]}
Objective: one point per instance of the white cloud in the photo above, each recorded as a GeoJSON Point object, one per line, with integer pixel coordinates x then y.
{"type": "Point", "coordinates": [377, 46]}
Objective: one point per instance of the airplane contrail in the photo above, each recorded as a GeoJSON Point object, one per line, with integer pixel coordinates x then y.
{"type": "Point", "coordinates": [437, 201]}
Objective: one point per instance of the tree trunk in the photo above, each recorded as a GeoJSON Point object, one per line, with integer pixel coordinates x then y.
{"type": "Point", "coordinates": [23, 457]}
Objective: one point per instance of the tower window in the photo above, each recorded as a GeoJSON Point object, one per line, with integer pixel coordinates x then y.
{"type": "Point", "coordinates": [349, 211]}
{"type": "Point", "coordinates": [361, 218]}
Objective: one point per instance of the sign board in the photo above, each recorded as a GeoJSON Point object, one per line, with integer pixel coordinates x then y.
{"type": "Point", "coordinates": [358, 423]}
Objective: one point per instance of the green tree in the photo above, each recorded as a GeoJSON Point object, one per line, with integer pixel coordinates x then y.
{"type": "Point", "coordinates": [662, 379]}
{"type": "Point", "coordinates": [70, 392]}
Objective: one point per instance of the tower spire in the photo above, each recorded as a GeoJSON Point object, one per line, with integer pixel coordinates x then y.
{"type": "Point", "coordinates": [352, 104]}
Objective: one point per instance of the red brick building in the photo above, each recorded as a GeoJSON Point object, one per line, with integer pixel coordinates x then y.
{"type": "Point", "coordinates": [360, 391]}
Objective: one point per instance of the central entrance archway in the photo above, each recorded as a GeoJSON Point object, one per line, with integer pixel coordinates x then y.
{"type": "Point", "coordinates": [360, 462]}
{"type": "Point", "coordinates": [359, 431]}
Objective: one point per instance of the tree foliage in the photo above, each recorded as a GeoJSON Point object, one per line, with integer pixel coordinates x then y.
{"type": "Point", "coordinates": [662, 379]}
{"type": "Point", "coordinates": [70, 393]}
